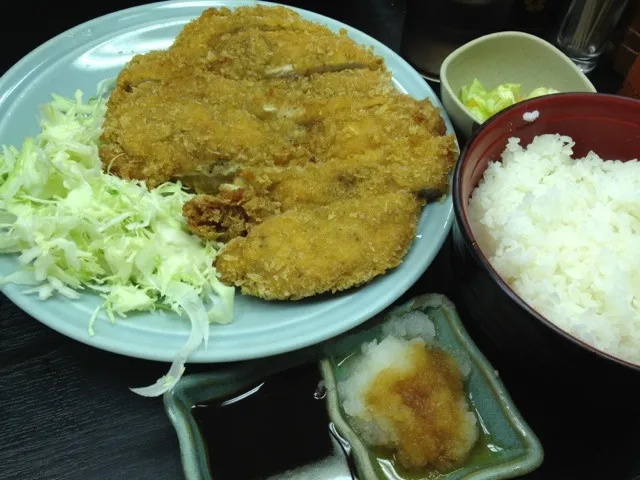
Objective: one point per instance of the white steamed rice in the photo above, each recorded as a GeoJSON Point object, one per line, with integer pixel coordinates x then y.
{"type": "Point", "coordinates": [565, 235]}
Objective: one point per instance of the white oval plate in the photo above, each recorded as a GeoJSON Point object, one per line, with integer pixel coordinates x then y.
{"type": "Point", "coordinates": [98, 49]}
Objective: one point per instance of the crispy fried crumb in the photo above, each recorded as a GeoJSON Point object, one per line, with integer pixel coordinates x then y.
{"type": "Point", "coordinates": [327, 248]}
{"type": "Point", "coordinates": [304, 156]}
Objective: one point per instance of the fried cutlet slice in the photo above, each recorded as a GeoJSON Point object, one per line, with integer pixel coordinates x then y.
{"type": "Point", "coordinates": [316, 249]}
{"type": "Point", "coordinates": [199, 127]}
{"type": "Point", "coordinates": [302, 99]}
{"type": "Point", "coordinates": [166, 135]}
{"type": "Point", "coordinates": [254, 53]}
{"type": "Point", "coordinates": [400, 125]}
{"type": "Point", "coordinates": [397, 146]}
{"type": "Point", "coordinates": [348, 83]}
{"type": "Point", "coordinates": [254, 43]}
{"type": "Point", "coordinates": [156, 67]}
{"type": "Point", "coordinates": [257, 195]}
{"type": "Point", "coordinates": [267, 41]}
{"type": "Point", "coordinates": [174, 116]}
{"type": "Point", "coordinates": [373, 173]}
{"type": "Point", "coordinates": [215, 22]}
{"type": "Point", "coordinates": [164, 65]}
{"type": "Point", "coordinates": [309, 100]}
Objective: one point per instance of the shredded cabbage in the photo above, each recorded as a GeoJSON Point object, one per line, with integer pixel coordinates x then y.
{"type": "Point", "coordinates": [483, 104]}
{"type": "Point", "coordinates": [75, 228]}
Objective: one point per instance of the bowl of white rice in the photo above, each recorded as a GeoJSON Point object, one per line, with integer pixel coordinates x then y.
{"type": "Point", "coordinates": [547, 233]}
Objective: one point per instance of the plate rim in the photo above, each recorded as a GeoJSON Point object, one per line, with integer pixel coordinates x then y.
{"type": "Point", "coordinates": [33, 306]}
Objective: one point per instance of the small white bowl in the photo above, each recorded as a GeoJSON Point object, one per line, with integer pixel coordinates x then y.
{"type": "Point", "coordinates": [506, 57]}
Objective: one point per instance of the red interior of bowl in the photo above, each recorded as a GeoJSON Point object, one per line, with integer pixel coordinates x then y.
{"type": "Point", "coordinates": [607, 124]}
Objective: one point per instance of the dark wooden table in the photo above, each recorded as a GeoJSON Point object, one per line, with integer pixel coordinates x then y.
{"type": "Point", "coordinates": [65, 409]}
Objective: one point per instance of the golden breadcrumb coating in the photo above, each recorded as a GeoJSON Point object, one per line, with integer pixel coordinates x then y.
{"type": "Point", "coordinates": [261, 194]}
{"type": "Point", "coordinates": [300, 148]}
{"type": "Point", "coordinates": [327, 248]}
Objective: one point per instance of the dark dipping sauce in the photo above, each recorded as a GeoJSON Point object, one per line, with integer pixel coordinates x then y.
{"type": "Point", "coordinates": [269, 428]}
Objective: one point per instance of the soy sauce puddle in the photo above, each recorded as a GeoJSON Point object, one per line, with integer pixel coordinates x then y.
{"type": "Point", "coordinates": [279, 425]}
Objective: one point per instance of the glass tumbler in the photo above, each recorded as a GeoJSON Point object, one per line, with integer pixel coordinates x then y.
{"type": "Point", "coordinates": [586, 28]}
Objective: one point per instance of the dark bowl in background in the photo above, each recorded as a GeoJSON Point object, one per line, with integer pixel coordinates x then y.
{"type": "Point", "coordinates": [610, 126]}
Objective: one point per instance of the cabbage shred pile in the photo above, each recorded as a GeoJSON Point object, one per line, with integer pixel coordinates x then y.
{"type": "Point", "coordinates": [77, 228]}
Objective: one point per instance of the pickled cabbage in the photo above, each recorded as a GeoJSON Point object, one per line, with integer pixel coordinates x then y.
{"type": "Point", "coordinates": [483, 104]}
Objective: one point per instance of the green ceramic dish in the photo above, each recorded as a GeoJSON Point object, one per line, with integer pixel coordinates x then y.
{"type": "Point", "coordinates": [226, 381]}
{"type": "Point", "coordinates": [506, 449]}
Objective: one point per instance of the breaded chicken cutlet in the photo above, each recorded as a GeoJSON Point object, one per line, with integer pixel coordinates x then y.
{"type": "Point", "coordinates": [306, 158]}
{"type": "Point", "coordinates": [329, 248]}
{"type": "Point", "coordinates": [268, 41]}
{"type": "Point", "coordinates": [232, 91]}
{"type": "Point", "coordinates": [201, 128]}
{"type": "Point", "coordinates": [258, 195]}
